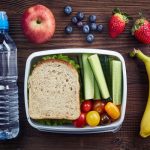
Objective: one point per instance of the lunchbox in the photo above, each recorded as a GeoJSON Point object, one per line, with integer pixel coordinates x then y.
{"type": "Point", "coordinates": [70, 129]}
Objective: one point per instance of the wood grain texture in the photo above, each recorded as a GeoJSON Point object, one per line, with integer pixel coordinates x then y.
{"type": "Point", "coordinates": [128, 136]}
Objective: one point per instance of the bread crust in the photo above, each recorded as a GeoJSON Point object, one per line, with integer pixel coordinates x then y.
{"type": "Point", "coordinates": [56, 60]}
{"type": "Point", "coordinates": [74, 71]}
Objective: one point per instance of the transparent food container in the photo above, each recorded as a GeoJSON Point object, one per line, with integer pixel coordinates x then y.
{"type": "Point", "coordinates": [70, 129]}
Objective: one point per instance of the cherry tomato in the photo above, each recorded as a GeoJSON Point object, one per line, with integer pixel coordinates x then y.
{"type": "Point", "coordinates": [119, 107]}
{"type": "Point", "coordinates": [99, 106]}
{"type": "Point", "coordinates": [86, 106]}
{"type": "Point", "coordinates": [112, 110]}
{"type": "Point", "coordinates": [105, 119]}
{"type": "Point", "coordinates": [81, 121]}
{"type": "Point", "coordinates": [93, 118]}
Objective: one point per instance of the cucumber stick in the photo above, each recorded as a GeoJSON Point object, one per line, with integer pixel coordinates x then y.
{"type": "Point", "coordinates": [81, 77]}
{"type": "Point", "coordinates": [97, 95]}
{"type": "Point", "coordinates": [81, 65]}
{"type": "Point", "coordinates": [88, 78]}
{"type": "Point", "coordinates": [105, 62]}
{"type": "Point", "coordinates": [99, 75]}
{"type": "Point", "coordinates": [116, 70]}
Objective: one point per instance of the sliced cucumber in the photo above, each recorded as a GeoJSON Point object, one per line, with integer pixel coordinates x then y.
{"type": "Point", "coordinates": [88, 78]}
{"type": "Point", "coordinates": [96, 91]}
{"type": "Point", "coordinates": [105, 62]}
{"type": "Point", "coordinates": [99, 75]}
{"type": "Point", "coordinates": [81, 78]}
{"type": "Point", "coordinates": [81, 64]}
{"type": "Point", "coordinates": [116, 69]}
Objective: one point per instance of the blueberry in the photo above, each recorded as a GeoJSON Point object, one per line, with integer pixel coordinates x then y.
{"type": "Point", "coordinates": [80, 16]}
{"type": "Point", "coordinates": [99, 28]}
{"type": "Point", "coordinates": [80, 24]}
{"type": "Point", "coordinates": [86, 29]}
{"type": "Point", "coordinates": [74, 19]}
{"type": "Point", "coordinates": [92, 18]}
{"type": "Point", "coordinates": [93, 26]}
{"type": "Point", "coordinates": [90, 38]}
{"type": "Point", "coordinates": [68, 10]}
{"type": "Point", "coordinates": [68, 29]}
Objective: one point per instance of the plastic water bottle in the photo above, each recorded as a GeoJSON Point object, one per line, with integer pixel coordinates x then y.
{"type": "Point", "coordinates": [9, 117]}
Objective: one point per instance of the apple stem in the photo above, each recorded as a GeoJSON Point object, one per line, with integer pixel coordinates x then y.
{"type": "Point", "coordinates": [38, 21]}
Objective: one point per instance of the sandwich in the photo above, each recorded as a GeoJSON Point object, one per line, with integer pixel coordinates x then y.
{"type": "Point", "coordinates": [54, 89]}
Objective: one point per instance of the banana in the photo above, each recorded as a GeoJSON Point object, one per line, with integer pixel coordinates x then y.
{"type": "Point", "coordinates": [145, 122]}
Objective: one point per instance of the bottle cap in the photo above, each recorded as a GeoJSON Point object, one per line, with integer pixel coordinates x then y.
{"type": "Point", "coordinates": [3, 20]}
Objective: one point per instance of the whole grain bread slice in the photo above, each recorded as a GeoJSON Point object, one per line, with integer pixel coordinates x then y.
{"type": "Point", "coordinates": [54, 91]}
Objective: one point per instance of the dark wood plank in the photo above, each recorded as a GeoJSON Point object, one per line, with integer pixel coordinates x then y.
{"type": "Point", "coordinates": [128, 136]}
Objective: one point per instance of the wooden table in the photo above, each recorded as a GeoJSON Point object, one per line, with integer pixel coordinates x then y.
{"type": "Point", "coordinates": [128, 136]}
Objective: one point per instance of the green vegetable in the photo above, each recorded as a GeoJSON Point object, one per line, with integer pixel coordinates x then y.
{"type": "Point", "coordinates": [105, 62]}
{"type": "Point", "coordinates": [81, 78]}
{"type": "Point", "coordinates": [88, 78]}
{"type": "Point", "coordinates": [116, 81]}
{"type": "Point", "coordinates": [53, 122]}
{"type": "Point", "coordinates": [99, 75]}
{"type": "Point", "coordinates": [62, 57]}
{"type": "Point", "coordinates": [81, 65]}
{"type": "Point", "coordinates": [96, 91]}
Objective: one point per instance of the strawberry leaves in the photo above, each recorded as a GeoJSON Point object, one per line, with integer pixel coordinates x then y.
{"type": "Point", "coordinates": [138, 23]}
{"type": "Point", "coordinates": [125, 16]}
{"type": "Point", "coordinates": [116, 10]}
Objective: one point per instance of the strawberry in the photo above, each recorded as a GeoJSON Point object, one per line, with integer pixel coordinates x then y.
{"type": "Point", "coordinates": [141, 30]}
{"type": "Point", "coordinates": [117, 22]}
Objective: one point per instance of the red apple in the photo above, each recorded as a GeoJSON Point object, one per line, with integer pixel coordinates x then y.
{"type": "Point", "coordinates": [38, 24]}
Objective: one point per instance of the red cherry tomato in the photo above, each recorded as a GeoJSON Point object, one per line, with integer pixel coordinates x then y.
{"type": "Point", "coordinates": [99, 106]}
{"type": "Point", "coordinates": [86, 106]}
{"type": "Point", "coordinates": [81, 121]}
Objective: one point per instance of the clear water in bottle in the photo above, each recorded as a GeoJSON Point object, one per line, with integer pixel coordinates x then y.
{"type": "Point", "coordinates": [9, 117]}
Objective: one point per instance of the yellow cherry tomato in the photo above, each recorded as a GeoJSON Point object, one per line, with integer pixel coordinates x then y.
{"type": "Point", "coordinates": [93, 118]}
{"type": "Point", "coordinates": [112, 110]}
